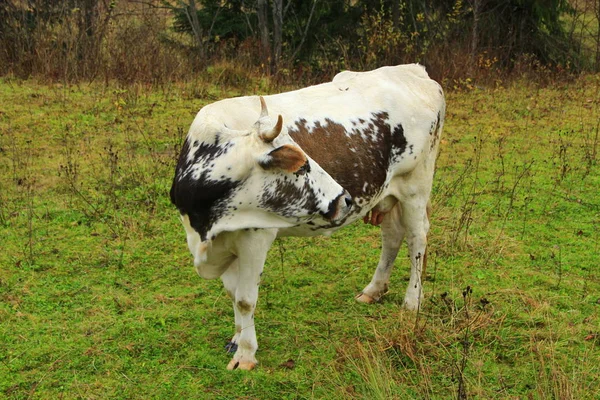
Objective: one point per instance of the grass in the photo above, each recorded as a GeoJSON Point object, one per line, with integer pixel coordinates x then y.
{"type": "Point", "coordinates": [99, 299]}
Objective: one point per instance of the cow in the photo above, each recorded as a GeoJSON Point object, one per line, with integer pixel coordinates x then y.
{"type": "Point", "coordinates": [361, 146]}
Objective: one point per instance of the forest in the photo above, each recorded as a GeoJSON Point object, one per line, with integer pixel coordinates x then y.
{"type": "Point", "coordinates": [302, 41]}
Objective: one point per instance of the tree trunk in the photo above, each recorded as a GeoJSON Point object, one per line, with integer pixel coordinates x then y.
{"type": "Point", "coordinates": [87, 44]}
{"type": "Point", "coordinates": [192, 15]}
{"type": "Point", "coordinates": [597, 15]}
{"type": "Point", "coordinates": [277, 32]}
{"type": "Point", "coordinates": [396, 15]}
{"type": "Point", "coordinates": [475, 33]}
{"type": "Point", "coordinates": [297, 50]}
{"type": "Point", "coordinates": [263, 27]}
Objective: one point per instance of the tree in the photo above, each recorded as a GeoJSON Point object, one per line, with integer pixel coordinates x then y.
{"type": "Point", "coordinates": [277, 32]}
{"type": "Point", "coordinates": [369, 33]}
{"type": "Point", "coordinates": [263, 28]}
{"type": "Point", "coordinates": [26, 25]}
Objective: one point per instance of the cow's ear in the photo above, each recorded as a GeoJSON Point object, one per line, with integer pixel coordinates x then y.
{"type": "Point", "coordinates": [287, 157]}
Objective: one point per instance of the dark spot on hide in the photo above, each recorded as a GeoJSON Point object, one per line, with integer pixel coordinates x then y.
{"type": "Point", "coordinates": [231, 347]}
{"type": "Point", "coordinates": [243, 306]}
{"type": "Point", "coordinates": [285, 198]}
{"type": "Point", "coordinates": [435, 131]}
{"type": "Point", "coordinates": [203, 199]}
{"type": "Point", "coordinates": [331, 209]}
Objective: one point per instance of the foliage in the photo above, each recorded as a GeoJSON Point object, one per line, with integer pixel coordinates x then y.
{"type": "Point", "coordinates": [28, 27]}
{"type": "Point", "coordinates": [159, 41]}
{"type": "Point", "coordinates": [99, 299]}
{"type": "Point", "coordinates": [222, 21]}
{"type": "Point", "coordinates": [515, 28]}
{"type": "Point", "coordinates": [393, 31]}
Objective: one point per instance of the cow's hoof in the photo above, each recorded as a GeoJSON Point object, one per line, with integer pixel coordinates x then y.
{"type": "Point", "coordinates": [244, 365]}
{"type": "Point", "coordinates": [231, 347]}
{"type": "Point", "coordinates": [247, 366]}
{"type": "Point", "coordinates": [365, 298]}
{"type": "Point", "coordinates": [411, 304]}
{"type": "Point", "coordinates": [233, 364]}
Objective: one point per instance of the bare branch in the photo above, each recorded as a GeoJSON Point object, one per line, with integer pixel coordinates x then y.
{"type": "Point", "coordinates": [247, 19]}
{"type": "Point", "coordinates": [212, 24]}
{"type": "Point", "coordinates": [305, 31]}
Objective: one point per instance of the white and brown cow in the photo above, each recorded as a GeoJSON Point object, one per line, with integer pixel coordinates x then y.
{"type": "Point", "coordinates": [361, 146]}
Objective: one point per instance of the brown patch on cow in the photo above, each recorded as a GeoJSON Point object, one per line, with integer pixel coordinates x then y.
{"type": "Point", "coordinates": [287, 157]}
{"type": "Point", "coordinates": [246, 344]}
{"type": "Point", "coordinates": [244, 307]}
{"type": "Point", "coordinates": [358, 159]}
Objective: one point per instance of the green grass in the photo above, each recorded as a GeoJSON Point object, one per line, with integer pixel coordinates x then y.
{"type": "Point", "coordinates": [99, 299]}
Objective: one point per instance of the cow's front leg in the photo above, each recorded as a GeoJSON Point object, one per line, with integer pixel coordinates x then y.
{"type": "Point", "coordinates": [230, 281]}
{"type": "Point", "coordinates": [251, 247]}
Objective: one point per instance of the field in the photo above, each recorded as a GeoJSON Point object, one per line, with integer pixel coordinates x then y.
{"type": "Point", "coordinates": [99, 298]}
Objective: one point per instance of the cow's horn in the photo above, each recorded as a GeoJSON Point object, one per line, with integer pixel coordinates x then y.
{"type": "Point", "coordinates": [270, 135]}
{"type": "Point", "coordinates": [263, 108]}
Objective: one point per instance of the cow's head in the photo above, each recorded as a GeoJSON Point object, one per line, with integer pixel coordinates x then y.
{"type": "Point", "coordinates": [227, 180]}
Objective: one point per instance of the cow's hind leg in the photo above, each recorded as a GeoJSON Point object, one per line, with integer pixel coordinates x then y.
{"type": "Point", "coordinates": [416, 222]}
{"type": "Point", "coordinates": [392, 233]}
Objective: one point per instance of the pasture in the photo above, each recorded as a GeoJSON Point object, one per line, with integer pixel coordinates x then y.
{"type": "Point", "coordinates": [99, 298]}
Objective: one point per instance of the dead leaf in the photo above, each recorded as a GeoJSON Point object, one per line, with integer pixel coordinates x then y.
{"type": "Point", "coordinates": [289, 364]}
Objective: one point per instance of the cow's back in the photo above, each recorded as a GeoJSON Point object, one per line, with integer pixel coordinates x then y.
{"type": "Point", "coordinates": [406, 88]}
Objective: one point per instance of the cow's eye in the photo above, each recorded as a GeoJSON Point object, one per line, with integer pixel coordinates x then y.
{"type": "Point", "coordinates": [303, 169]}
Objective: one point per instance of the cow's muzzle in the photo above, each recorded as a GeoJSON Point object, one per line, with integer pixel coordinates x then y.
{"type": "Point", "coordinates": [339, 207]}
